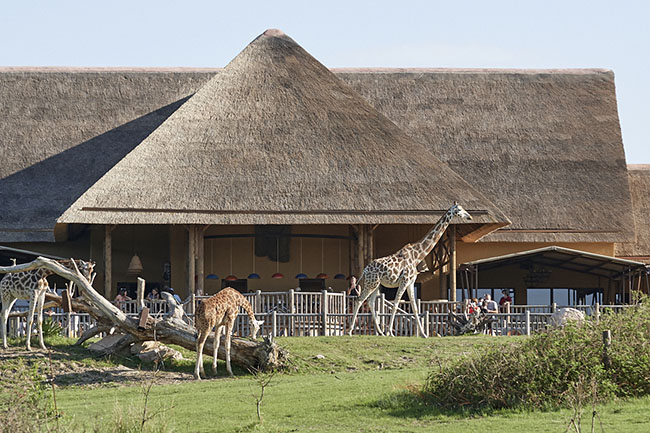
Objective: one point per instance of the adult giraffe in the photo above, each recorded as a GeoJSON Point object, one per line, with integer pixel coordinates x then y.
{"type": "Point", "coordinates": [400, 270]}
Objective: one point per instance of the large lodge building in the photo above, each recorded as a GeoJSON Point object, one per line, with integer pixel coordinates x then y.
{"type": "Point", "coordinates": [276, 166]}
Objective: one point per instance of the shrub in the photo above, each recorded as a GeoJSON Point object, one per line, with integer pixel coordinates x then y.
{"type": "Point", "coordinates": [544, 370]}
{"type": "Point", "coordinates": [24, 403]}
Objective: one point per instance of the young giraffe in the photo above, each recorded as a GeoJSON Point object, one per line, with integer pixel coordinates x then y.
{"type": "Point", "coordinates": [221, 310]}
{"type": "Point", "coordinates": [32, 285]}
{"type": "Point", "coordinates": [401, 270]}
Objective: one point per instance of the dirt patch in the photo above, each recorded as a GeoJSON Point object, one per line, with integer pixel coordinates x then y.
{"type": "Point", "coordinates": [81, 369]}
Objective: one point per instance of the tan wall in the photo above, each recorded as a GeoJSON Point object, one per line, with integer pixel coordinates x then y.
{"type": "Point", "coordinates": [218, 255]}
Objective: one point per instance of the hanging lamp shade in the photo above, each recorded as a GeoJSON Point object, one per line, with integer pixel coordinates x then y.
{"type": "Point", "coordinates": [254, 276]}
{"type": "Point", "coordinates": [277, 275]}
{"type": "Point", "coordinates": [322, 276]}
{"type": "Point", "coordinates": [339, 277]}
{"type": "Point", "coordinates": [212, 277]}
{"type": "Point", "coordinates": [231, 278]}
{"type": "Point", "coordinates": [301, 276]}
{"type": "Point", "coordinates": [135, 266]}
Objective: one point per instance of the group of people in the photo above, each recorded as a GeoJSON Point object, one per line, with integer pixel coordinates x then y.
{"type": "Point", "coordinates": [486, 304]}
{"type": "Point", "coordinates": [153, 295]}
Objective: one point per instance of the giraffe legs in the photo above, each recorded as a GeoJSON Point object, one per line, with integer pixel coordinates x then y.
{"type": "Point", "coordinates": [7, 303]}
{"type": "Point", "coordinates": [414, 306]}
{"type": "Point", "coordinates": [39, 316]}
{"type": "Point", "coordinates": [229, 327]}
{"type": "Point", "coordinates": [371, 302]}
{"type": "Point", "coordinates": [406, 282]}
{"type": "Point", "coordinates": [368, 287]}
{"type": "Point", "coordinates": [30, 320]}
{"type": "Point", "coordinates": [200, 342]}
{"type": "Point", "coordinates": [217, 340]}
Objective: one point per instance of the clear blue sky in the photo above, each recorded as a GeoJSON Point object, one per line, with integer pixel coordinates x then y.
{"type": "Point", "coordinates": [480, 33]}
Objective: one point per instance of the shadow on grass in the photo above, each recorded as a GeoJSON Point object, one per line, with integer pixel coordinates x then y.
{"type": "Point", "coordinates": [412, 403]}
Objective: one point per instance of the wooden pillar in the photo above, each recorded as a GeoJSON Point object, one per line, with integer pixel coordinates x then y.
{"type": "Point", "coordinates": [353, 252]}
{"type": "Point", "coordinates": [108, 261]}
{"type": "Point", "coordinates": [191, 260]}
{"type": "Point", "coordinates": [200, 260]}
{"type": "Point", "coordinates": [361, 242]}
{"type": "Point", "coordinates": [452, 263]}
{"type": "Point", "coordinates": [441, 282]}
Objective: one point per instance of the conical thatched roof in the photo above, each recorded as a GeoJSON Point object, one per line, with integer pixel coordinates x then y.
{"type": "Point", "coordinates": [276, 138]}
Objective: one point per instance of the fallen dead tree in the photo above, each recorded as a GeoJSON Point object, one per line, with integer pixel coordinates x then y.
{"type": "Point", "coordinates": [470, 323]}
{"type": "Point", "coordinates": [248, 354]}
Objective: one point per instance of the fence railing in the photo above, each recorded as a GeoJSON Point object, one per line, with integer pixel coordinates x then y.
{"type": "Point", "coordinates": [296, 313]}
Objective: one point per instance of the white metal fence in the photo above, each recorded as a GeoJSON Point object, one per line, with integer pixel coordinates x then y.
{"type": "Point", "coordinates": [296, 313]}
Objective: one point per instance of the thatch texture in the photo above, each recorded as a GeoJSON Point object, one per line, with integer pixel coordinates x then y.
{"type": "Point", "coordinates": [639, 175]}
{"type": "Point", "coordinates": [545, 146]}
{"type": "Point", "coordinates": [276, 138]}
{"type": "Point", "coordinates": [61, 131]}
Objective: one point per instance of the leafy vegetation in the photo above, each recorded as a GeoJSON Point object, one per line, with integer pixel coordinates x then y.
{"type": "Point", "coordinates": [546, 370]}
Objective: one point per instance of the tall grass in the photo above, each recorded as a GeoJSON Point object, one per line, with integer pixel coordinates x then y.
{"type": "Point", "coordinates": [545, 370]}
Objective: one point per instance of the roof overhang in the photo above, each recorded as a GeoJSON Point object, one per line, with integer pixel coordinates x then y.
{"type": "Point", "coordinates": [563, 258]}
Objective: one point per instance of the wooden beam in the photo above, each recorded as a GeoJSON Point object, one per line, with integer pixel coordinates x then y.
{"type": "Point", "coordinates": [452, 263]}
{"type": "Point", "coordinates": [200, 260]}
{"type": "Point", "coordinates": [108, 261]}
{"type": "Point", "coordinates": [191, 260]}
{"type": "Point", "coordinates": [361, 241]}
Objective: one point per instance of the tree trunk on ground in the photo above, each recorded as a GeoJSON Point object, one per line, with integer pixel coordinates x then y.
{"type": "Point", "coordinates": [248, 354]}
{"type": "Point", "coordinates": [470, 323]}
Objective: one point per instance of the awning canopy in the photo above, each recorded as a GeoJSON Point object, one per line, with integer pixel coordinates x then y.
{"type": "Point", "coordinates": [562, 258]}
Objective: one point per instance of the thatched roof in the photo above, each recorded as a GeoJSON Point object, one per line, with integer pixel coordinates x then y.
{"type": "Point", "coordinates": [62, 131]}
{"type": "Point", "coordinates": [276, 138]}
{"type": "Point", "coordinates": [544, 146]}
{"type": "Point", "coordinates": [639, 175]}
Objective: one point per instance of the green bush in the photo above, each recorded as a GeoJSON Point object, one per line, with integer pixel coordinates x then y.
{"type": "Point", "coordinates": [545, 370]}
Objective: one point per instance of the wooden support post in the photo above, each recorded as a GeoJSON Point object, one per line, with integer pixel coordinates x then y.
{"type": "Point", "coordinates": [274, 324]}
{"type": "Point", "coordinates": [554, 307]}
{"type": "Point", "coordinates": [200, 260]}
{"type": "Point", "coordinates": [140, 294]}
{"type": "Point", "coordinates": [324, 312]}
{"type": "Point", "coordinates": [144, 315]}
{"type": "Point", "coordinates": [292, 310]}
{"type": "Point", "coordinates": [108, 261]}
{"type": "Point", "coordinates": [258, 301]}
{"type": "Point", "coordinates": [361, 241]}
{"type": "Point", "coordinates": [191, 261]}
{"type": "Point", "coordinates": [607, 341]}
{"type": "Point", "coordinates": [597, 313]}
{"type": "Point", "coordinates": [452, 263]}
{"type": "Point", "coordinates": [527, 322]}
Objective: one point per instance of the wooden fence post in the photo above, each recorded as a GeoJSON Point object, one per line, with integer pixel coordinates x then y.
{"type": "Point", "coordinates": [554, 308]}
{"type": "Point", "coordinates": [258, 301]}
{"type": "Point", "coordinates": [527, 322]}
{"type": "Point", "coordinates": [597, 313]}
{"type": "Point", "coordinates": [292, 310]}
{"type": "Point", "coordinates": [607, 341]}
{"type": "Point", "coordinates": [274, 324]}
{"type": "Point", "coordinates": [324, 312]}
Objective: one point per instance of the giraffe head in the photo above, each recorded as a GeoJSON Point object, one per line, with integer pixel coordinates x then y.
{"type": "Point", "coordinates": [86, 268]}
{"type": "Point", "coordinates": [457, 209]}
{"type": "Point", "coordinates": [256, 327]}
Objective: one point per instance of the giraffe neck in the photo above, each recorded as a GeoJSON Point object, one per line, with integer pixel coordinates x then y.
{"type": "Point", "coordinates": [425, 245]}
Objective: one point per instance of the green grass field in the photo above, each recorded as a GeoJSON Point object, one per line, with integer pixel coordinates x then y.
{"type": "Point", "coordinates": [364, 384]}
